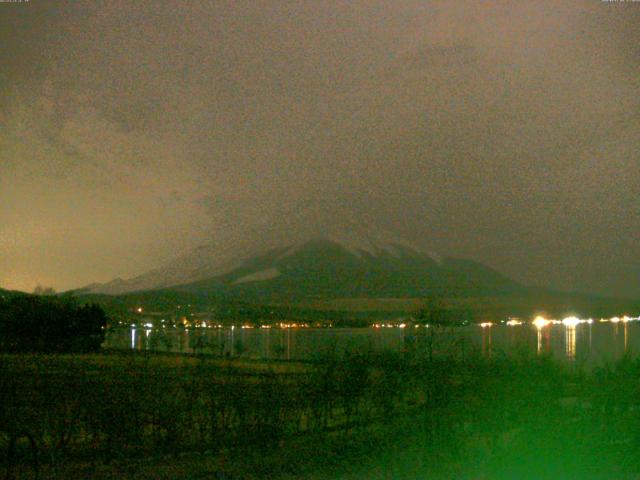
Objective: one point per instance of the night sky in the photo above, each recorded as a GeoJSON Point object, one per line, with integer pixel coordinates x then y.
{"type": "Point", "coordinates": [505, 132]}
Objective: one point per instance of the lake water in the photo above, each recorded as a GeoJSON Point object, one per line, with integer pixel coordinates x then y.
{"type": "Point", "coordinates": [585, 343]}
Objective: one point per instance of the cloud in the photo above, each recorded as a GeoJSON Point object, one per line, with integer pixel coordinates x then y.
{"type": "Point", "coordinates": [489, 130]}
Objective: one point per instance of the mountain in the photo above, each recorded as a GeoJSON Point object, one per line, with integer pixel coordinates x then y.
{"type": "Point", "coordinates": [6, 294]}
{"type": "Point", "coordinates": [327, 267]}
{"type": "Point", "coordinates": [338, 276]}
{"type": "Point", "coordinates": [206, 261]}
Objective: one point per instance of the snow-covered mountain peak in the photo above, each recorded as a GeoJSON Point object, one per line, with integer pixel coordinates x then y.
{"type": "Point", "coordinates": [361, 245]}
{"type": "Point", "coordinates": [214, 260]}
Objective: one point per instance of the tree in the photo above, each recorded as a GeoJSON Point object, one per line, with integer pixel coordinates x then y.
{"type": "Point", "coordinates": [436, 318]}
{"type": "Point", "coordinates": [50, 324]}
{"type": "Point", "coordinates": [40, 290]}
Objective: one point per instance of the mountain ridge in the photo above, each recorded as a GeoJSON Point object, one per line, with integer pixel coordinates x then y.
{"type": "Point", "coordinates": [320, 266]}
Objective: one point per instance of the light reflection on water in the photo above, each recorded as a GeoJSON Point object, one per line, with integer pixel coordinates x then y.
{"type": "Point", "coordinates": [486, 340]}
{"type": "Point", "coordinates": [570, 342]}
{"type": "Point", "coordinates": [582, 343]}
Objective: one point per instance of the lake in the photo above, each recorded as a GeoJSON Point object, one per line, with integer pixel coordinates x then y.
{"type": "Point", "coordinates": [584, 343]}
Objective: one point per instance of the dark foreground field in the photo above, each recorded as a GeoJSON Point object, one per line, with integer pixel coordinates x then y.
{"type": "Point", "coordinates": [369, 416]}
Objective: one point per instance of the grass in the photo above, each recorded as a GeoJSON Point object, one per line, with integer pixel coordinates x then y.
{"type": "Point", "coordinates": [362, 415]}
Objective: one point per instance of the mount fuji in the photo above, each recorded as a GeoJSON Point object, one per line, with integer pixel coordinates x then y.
{"type": "Point", "coordinates": [330, 266]}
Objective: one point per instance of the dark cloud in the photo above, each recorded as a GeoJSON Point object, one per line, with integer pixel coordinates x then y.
{"type": "Point", "coordinates": [503, 132]}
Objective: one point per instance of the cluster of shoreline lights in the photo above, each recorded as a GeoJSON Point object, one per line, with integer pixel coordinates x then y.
{"type": "Point", "coordinates": [205, 324]}
{"type": "Point", "coordinates": [540, 322]}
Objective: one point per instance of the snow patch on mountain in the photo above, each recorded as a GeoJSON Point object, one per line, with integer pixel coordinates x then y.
{"type": "Point", "coordinates": [267, 274]}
